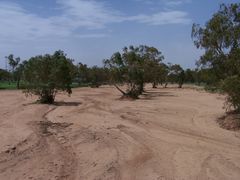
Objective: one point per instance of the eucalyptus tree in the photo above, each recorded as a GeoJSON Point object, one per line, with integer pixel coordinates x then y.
{"type": "Point", "coordinates": [126, 68]}
{"type": "Point", "coordinates": [176, 74]}
{"type": "Point", "coordinates": [19, 72]}
{"type": "Point", "coordinates": [4, 75]}
{"type": "Point", "coordinates": [46, 75]}
{"type": "Point", "coordinates": [220, 37]}
{"type": "Point", "coordinates": [153, 68]}
{"type": "Point", "coordinates": [14, 63]}
{"type": "Point", "coordinates": [134, 67]}
{"type": "Point", "coordinates": [82, 74]}
{"type": "Point", "coordinates": [97, 76]}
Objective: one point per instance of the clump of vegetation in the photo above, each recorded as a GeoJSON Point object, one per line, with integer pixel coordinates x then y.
{"type": "Point", "coordinates": [15, 70]}
{"type": "Point", "coordinates": [134, 67]}
{"type": "Point", "coordinates": [220, 39]}
{"type": "Point", "coordinates": [11, 78]}
{"type": "Point", "coordinates": [98, 76]}
{"type": "Point", "coordinates": [91, 76]}
{"type": "Point", "coordinates": [4, 75]}
{"type": "Point", "coordinates": [176, 74]}
{"type": "Point", "coordinates": [231, 86]}
{"type": "Point", "coordinates": [82, 76]}
{"type": "Point", "coordinates": [46, 75]}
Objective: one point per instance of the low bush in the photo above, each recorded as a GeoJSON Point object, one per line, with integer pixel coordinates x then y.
{"type": "Point", "coordinates": [231, 86]}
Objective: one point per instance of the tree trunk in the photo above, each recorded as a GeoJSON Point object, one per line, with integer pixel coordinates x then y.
{"type": "Point", "coordinates": [180, 84]}
{"type": "Point", "coordinates": [166, 85]}
{"type": "Point", "coordinates": [47, 99]}
{"type": "Point", "coordinates": [18, 83]}
{"type": "Point", "coordinates": [154, 85]}
{"type": "Point", "coordinates": [119, 89]}
{"type": "Point", "coordinates": [141, 88]}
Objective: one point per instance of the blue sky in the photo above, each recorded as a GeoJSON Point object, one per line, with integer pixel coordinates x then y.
{"type": "Point", "coordinates": [92, 30]}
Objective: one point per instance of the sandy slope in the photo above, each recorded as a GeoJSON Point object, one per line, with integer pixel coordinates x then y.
{"type": "Point", "coordinates": [167, 134]}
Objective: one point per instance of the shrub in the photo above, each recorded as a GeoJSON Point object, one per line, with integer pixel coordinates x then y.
{"type": "Point", "coordinates": [46, 75]}
{"type": "Point", "coordinates": [231, 86]}
{"type": "Point", "coordinates": [134, 67]}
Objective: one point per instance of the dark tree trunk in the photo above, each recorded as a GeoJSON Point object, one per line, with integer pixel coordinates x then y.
{"type": "Point", "coordinates": [47, 97]}
{"type": "Point", "coordinates": [180, 84]}
{"type": "Point", "coordinates": [18, 83]}
{"type": "Point", "coordinates": [124, 93]}
{"type": "Point", "coordinates": [154, 85]}
{"type": "Point", "coordinates": [141, 88]}
{"type": "Point", "coordinates": [166, 85]}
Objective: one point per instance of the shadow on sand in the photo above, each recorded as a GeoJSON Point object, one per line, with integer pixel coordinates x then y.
{"type": "Point", "coordinates": [62, 103]}
{"type": "Point", "coordinates": [57, 103]}
{"type": "Point", "coordinates": [149, 95]}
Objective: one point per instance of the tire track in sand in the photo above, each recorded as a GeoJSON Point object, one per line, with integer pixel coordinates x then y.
{"type": "Point", "coordinates": [46, 153]}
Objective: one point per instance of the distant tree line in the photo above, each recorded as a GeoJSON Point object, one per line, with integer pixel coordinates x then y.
{"type": "Point", "coordinates": [135, 66]}
{"type": "Point", "coordinates": [45, 75]}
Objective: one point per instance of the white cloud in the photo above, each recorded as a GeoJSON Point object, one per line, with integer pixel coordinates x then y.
{"type": "Point", "coordinates": [162, 18]}
{"type": "Point", "coordinates": [176, 2]}
{"type": "Point", "coordinates": [18, 24]}
{"type": "Point", "coordinates": [91, 14]}
{"type": "Point", "coordinates": [164, 2]}
{"type": "Point", "coordinates": [97, 35]}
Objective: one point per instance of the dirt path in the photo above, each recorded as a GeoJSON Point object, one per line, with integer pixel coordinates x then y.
{"type": "Point", "coordinates": [167, 134]}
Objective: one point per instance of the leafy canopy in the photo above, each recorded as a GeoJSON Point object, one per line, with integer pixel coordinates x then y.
{"type": "Point", "coordinates": [134, 66]}
{"type": "Point", "coordinates": [46, 75]}
{"type": "Point", "coordinates": [220, 38]}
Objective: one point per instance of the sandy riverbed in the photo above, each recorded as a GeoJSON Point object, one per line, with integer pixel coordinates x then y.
{"type": "Point", "coordinates": [167, 134]}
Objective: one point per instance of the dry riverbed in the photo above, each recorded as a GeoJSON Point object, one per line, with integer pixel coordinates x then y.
{"type": "Point", "coordinates": [167, 134]}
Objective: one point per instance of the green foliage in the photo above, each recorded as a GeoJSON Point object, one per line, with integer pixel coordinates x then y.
{"type": "Point", "coordinates": [220, 39]}
{"type": "Point", "coordinates": [231, 86]}
{"type": "Point", "coordinates": [208, 77]}
{"type": "Point", "coordinates": [16, 69]}
{"type": "Point", "coordinates": [176, 74]}
{"type": "Point", "coordinates": [190, 76]}
{"type": "Point", "coordinates": [92, 76]}
{"type": "Point", "coordinates": [82, 74]}
{"type": "Point", "coordinates": [13, 62]}
{"type": "Point", "coordinates": [18, 73]}
{"type": "Point", "coordinates": [126, 67]}
{"type": "Point", "coordinates": [135, 66]}
{"type": "Point", "coordinates": [7, 85]}
{"type": "Point", "coordinates": [153, 68]}
{"type": "Point", "coordinates": [4, 75]}
{"type": "Point", "coordinates": [46, 75]}
{"type": "Point", "coordinates": [98, 76]}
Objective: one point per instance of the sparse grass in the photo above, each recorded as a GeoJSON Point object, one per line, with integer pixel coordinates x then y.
{"type": "Point", "coordinates": [13, 85]}
{"type": "Point", "coordinates": [8, 85]}
{"type": "Point", "coordinates": [77, 85]}
{"type": "Point", "coordinates": [213, 89]}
